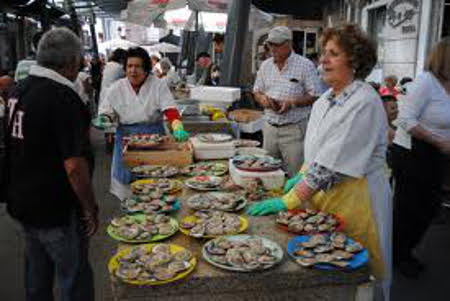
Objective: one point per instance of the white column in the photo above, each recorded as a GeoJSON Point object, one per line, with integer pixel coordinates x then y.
{"type": "Point", "coordinates": [424, 29]}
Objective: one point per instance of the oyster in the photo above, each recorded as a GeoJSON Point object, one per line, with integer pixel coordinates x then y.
{"type": "Point", "coordinates": [178, 266]}
{"type": "Point", "coordinates": [340, 263]}
{"type": "Point", "coordinates": [338, 237]}
{"type": "Point", "coordinates": [183, 255]}
{"type": "Point", "coordinates": [161, 248]}
{"type": "Point", "coordinates": [339, 255]}
{"type": "Point", "coordinates": [325, 258]}
{"type": "Point", "coordinates": [306, 262]}
{"type": "Point", "coordinates": [165, 229]}
{"type": "Point", "coordinates": [161, 273]}
{"type": "Point", "coordinates": [354, 247]}
{"type": "Point", "coordinates": [308, 221]}
{"type": "Point", "coordinates": [304, 253]}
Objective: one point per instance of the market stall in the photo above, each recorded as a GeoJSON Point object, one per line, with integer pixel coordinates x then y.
{"type": "Point", "coordinates": [182, 189]}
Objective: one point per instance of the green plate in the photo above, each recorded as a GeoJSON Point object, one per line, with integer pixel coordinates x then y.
{"type": "Point", "coordinates": [140, 217]}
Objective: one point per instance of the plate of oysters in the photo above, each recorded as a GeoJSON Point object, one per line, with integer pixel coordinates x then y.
{"type": "Point", "coordinates": [214, 137]}
{"type": "Point", "coordinates": [327, 251]}
{"type": "Point", "coordinates": [148, 186]}
{"type": "Point", "coordinates": [222, 201]}
{"type": "Point", "coordinates": [256, 163]}
{"type": "Point", "coordinates": [308, 221]}
{"type": "Point", "coordinates": [141, 228]}
{"type": "Point", "coordinates": [205, 169]}
{"type": "Point", "coordinates": [152, 264]}
{"type": "Point", "coordinates": [144, 141]}
{"type": "Point", "coordinates": [155, 171]}
{"type": "Point", "coordinates": [148, 204]}
{"type": "Point", "coordinates": [204, 183]}
{"type": "Point", "coordinates": [242, 253]}
{"type": "Point", "coordinates": [211, 224]}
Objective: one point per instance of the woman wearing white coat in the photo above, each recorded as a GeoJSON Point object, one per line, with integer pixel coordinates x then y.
{"type": "Point", "coordinates": [139, 102]}
{"type": "Point", "coordinates": [345, 151]}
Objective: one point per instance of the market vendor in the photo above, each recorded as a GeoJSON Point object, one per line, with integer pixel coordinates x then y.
{"type": "Point", "coordinates": [138, 102]}
{"type": "Point", "coordinates": [345, 151]}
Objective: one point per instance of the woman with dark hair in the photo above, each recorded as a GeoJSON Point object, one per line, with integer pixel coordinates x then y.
{"type": "Point", "coordinates": [419, 172]}
{"type": "Point", "coordinates": [113, 70]}
{"type": "Point", "coordinates": [345, 151]}
{"type": "Point", "coordinates": [138, 102]}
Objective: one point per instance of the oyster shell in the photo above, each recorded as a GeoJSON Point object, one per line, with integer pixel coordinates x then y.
{"type": "Point", "coordinates": [161, 273]}
{"type": "Point", "coordinates": [306, 262]}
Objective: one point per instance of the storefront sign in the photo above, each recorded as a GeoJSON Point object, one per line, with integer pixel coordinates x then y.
{"type": "Point", "coordinates": [401, 13]}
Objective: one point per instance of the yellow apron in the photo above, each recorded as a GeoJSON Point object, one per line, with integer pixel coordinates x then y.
{"type": "Point", "coordinates": [351, 201]}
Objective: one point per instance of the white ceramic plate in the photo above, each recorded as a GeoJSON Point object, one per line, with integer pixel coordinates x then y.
{"type": "Point", "coordinates": [275, 248]}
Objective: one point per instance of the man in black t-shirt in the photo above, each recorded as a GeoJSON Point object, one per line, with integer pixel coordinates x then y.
{"type": "Point", "coordinates": [49, 189]}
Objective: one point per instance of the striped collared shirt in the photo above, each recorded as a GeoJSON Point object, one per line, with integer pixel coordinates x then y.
{"type": "Point", "coordinates": [298, 77]}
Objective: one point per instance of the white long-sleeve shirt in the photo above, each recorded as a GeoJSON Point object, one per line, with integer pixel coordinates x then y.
{"type": "Point", "coordinates": [427, 104]}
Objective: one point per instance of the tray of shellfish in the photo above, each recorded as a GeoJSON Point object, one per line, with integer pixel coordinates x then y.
{"type": "Point", "coordinates": [214, 137]}
{"type": "Point", "coordinates": [155, 171]}
{"type": "Point", "coordinates": [149, 186]}
{"type": "Point", "coordinates": [211, 224]}
{"type": "Point", "coordinates": [139, 228]}
{"type": "Point", "coordinates": [242, 253]}
{"type": "Point", "coordinates": [145, 141]}
{"type": "Point", "coordinates": [205, 169]}
{"type": "Point", "coordinates": [328, 251]}
{"type": "Point", "coordinates": [222, 201]}
{"type": "Point", "coordinates": [308, 221]}
{"type": "Point", "coordinates": [204, 183]}
{"type": "Point", "coordinates": [148, 204]}
{"type": "Point", "coordinates": [152, 264]}
{"type": "Point", "coordinates": [256, 163]}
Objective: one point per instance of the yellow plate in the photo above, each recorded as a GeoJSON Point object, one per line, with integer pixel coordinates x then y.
{"type": "Point", "coordinates": [175, 185]}
{"type": "Point", "coordinates": [114, 264]}
{"type": "Point", "coordinates": [192, 218]}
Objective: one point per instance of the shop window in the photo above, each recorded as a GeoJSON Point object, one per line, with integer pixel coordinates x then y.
{"type": "Point", "coordinates": [376, 26]}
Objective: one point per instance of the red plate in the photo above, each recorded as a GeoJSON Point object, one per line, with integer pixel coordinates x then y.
{"type": "Point", "coordinates": [339, 227]}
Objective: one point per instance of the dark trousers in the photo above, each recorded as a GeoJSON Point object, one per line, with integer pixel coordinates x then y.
{"type": "Point", "coordinates": [418, 175]}
{"type": "Point", "coordinates": [61, 253]}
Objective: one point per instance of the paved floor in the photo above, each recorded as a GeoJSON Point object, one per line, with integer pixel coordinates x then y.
{"type": "Point", "coordinates": [434, 285]}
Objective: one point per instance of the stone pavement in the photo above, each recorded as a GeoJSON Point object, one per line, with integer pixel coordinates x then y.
{"type": "Point", "coordinates": [434, 251]}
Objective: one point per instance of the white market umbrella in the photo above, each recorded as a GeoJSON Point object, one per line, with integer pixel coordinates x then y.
{"type": "Point", "coordinates": [163, 47]}
{"type": "Point", "coordinates": [116, 43]}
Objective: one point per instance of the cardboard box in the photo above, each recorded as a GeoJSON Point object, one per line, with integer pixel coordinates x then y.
{"type": "Point", "coordinates": [175, 154]}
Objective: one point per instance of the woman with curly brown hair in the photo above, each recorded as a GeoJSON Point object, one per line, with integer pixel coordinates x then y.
{"type": "Point", "coordinates": [345, 151]}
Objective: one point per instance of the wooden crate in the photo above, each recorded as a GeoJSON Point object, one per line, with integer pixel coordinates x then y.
{"type": "Point", "coordinates": [175, 154]}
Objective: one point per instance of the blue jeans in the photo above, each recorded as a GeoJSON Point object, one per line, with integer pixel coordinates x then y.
{"type": "Point", "coordinates": [61, 252]}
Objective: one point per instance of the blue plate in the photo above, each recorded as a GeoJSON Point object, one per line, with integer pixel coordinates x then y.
{"type": "Point", "coordinates": [360, 259]}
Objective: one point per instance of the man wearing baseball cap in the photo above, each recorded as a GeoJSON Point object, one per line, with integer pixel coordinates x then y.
{"type": "Point", "coordinates": [286, 87]}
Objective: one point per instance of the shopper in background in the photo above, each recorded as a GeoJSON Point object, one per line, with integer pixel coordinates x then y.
{"type": "Point", "coordinates": [23, 67]}
{"type": "Point", "coordinates": [390, 86]}
{"type": "Point", "coordinates": [419, 173]}
{"type": "Point", "coordinates": [114, 70]}
{"type": "Point", "coordinates": [48, 188]}
{"type": "Point", "coordinates": [286, 87]}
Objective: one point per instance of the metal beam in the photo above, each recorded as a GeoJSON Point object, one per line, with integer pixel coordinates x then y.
{"type": "Point", "coordinates": [237, 27]}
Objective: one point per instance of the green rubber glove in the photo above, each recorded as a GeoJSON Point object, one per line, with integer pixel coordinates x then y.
{"type": "Point", "coordinates": [180, 136]}
{"type": "Point", "coordinates": [292, 182]}
{"type": "Point", "coordinates": [101, 122]}
{"type": "Point", "coordinates": [268, 206]}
